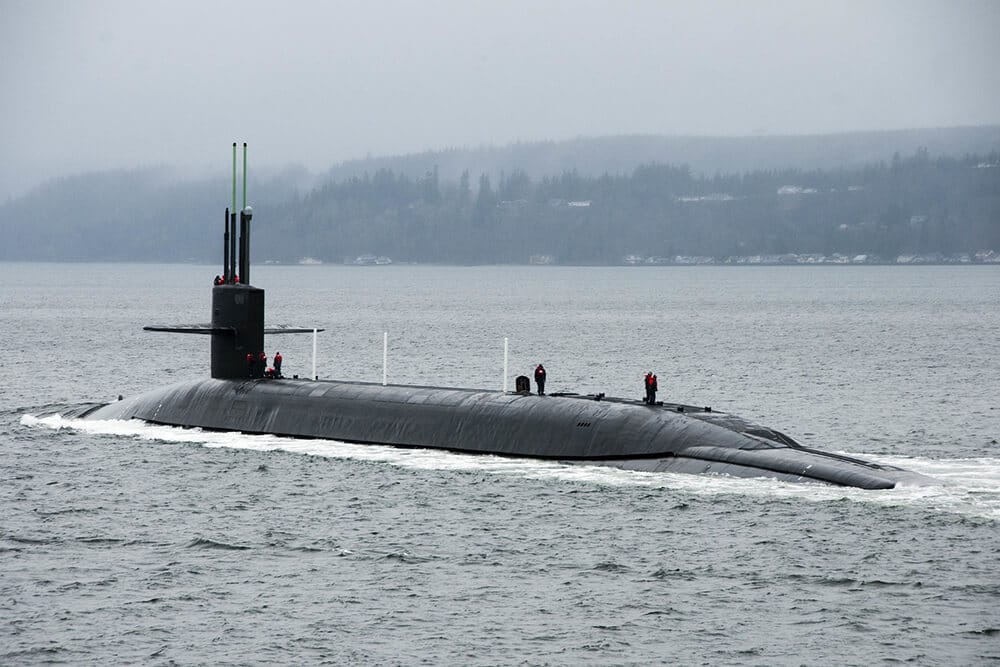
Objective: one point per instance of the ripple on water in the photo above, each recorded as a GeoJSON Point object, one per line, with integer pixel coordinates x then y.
{"type": "Point", "coordinates": [135, 544]}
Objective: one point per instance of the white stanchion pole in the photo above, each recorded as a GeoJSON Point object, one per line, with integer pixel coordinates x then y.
{"type": "Point", "coordinates": [505, 348]}
{"type": "Point", "coordinates": [315, 377]}
{"type": "Point", "coordinates": [385, 357]}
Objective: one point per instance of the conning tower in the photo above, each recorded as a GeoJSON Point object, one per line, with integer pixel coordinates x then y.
{"type": "Point", "coordinates": [237, 306]}
{"type": "Point", "coordinates": [237, 326]}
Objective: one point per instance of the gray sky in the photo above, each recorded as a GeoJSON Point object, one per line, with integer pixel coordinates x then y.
{"type": "Point", "coordinates": [102, 84]}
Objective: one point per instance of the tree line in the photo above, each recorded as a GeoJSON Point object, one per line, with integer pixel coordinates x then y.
{"type": "Point", "coordinates": [909, 204]}
{"type": "Point", "coordinates": [914, 204]}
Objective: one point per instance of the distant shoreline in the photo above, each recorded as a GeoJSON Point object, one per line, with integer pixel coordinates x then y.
{"type": "Point", "coordinates": [714, 264]}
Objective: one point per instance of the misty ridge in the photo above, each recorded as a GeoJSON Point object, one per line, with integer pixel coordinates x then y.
{"type": "Point", "coordinates": [585, 201]}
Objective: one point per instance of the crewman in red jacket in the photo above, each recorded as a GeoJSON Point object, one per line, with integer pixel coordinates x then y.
{"type": "Point", "coordinates": [540, 379]}
{"type": "Point", "coordinates": [277, 364]}
{"type": "Point", "coordinates": [651, 387]}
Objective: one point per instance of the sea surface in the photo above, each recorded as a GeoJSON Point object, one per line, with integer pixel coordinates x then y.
{"type": "Point", "coordinates": [128, 543]}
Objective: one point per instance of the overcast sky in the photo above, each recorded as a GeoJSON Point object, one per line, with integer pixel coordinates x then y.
{"type": "Point", "coordinates": [98, 84]}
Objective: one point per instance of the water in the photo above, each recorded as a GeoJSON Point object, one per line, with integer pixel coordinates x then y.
{"type": "Point", "coordinates": [124, 542]}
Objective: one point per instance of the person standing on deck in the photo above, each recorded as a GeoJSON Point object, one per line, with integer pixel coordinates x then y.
{"type": "Point", "coordinates": [540, 379]}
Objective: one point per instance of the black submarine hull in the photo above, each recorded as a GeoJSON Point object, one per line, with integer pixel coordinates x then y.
{"type": "Point", "coordinates": [590, 429]}
{"type": "Point", "coordinates": [574, 428]}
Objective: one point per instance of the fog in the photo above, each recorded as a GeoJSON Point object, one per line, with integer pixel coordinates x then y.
{"type": "Point", "coordinates": [97, 84]}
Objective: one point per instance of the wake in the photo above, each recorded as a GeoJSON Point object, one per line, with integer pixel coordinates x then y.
{"type": "Point", "coordinates": [971, 486]}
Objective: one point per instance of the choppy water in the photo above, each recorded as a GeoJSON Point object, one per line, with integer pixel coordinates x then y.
{"type": "Point", "coordinates": [124, 542]}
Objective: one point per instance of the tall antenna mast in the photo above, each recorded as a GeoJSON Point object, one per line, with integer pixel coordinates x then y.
{"type": "Point", "coordinates": [232, 226]}
{"type": "Point", "coordinates": [245, 216]}
{"type": "Point", "coordinates": [233, 209]}
{"type": "Point", "coordinates": [244, 175]}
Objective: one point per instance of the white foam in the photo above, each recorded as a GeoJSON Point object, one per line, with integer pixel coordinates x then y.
{"type": "Point", "coordinates": [972, 486]}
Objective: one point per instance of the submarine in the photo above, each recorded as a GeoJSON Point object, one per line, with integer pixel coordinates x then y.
{"type": "Point", "coordinates": [591, 429]}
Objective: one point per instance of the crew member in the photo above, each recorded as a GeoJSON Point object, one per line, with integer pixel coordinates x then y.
{"type": "Point", "coordinates": [218, 280]}
{"type": "Point", "coordinates": [262, 363]}
{"type": "Point", "coordinates": [250, 362]}
{"type": "Point", "coordinates": [652, 389]}
{"type": "Point", "coordinates": [646, 380]}
{"type": "Point", "coordinates": [277, 364]}
{"type": "Point", "coordinates": [540, 379]}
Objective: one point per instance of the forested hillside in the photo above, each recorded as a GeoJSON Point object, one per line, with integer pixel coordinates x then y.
{"type": "Point", "coordinates": [911, 203]}
{"type": "Point", "coordinates": [915, 204]}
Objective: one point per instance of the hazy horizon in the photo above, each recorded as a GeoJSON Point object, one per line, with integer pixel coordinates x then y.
{"type": "Point", "coordinates": [109, 84]}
